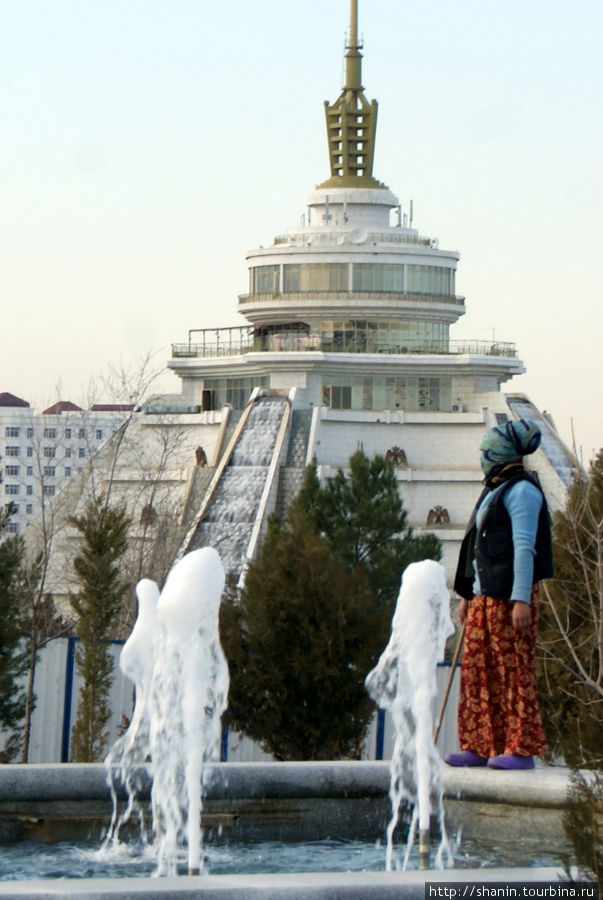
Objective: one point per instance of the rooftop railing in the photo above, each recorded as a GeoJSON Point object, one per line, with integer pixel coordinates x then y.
{"type": "Point", "coordinates": [208, 343]}
{"type": "Point", "coordinates": [336, 237]}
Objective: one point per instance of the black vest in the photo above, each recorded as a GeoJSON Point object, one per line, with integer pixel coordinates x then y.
{"type": "Point", "coordinates": [492, 547]}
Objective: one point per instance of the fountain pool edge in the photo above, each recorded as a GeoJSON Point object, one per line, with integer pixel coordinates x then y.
{"type": "Point", "coordinates": [307, 886]}
{"type": "Point", "coordinates": [541, 787]}
{"type": "Point", "coordinates": [282, 801]}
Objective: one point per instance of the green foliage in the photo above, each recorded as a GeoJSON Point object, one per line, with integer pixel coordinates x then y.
{"type": "Point", "coordinates": [316, 611]}
{"type": "Point", "coordinates": [299, 645]}
{"type": "Point", "coordinates": [364, 520]}
{"type": "Point", "coordinates": [13, 662]}
{"type": "Point", "coordinates": [571, 627]}
{"type": "Point", "coordinates": [96, 604]}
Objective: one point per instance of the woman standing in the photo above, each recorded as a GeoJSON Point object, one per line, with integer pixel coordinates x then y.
{"type": "Point", "coordinates": [506, 551]}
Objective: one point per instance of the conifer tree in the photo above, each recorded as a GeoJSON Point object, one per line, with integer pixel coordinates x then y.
{"type": "Point", "coordinates": [299, 645]}
{"type": "Point", "coordinates": [364, 520]}
{"type": "Point", "coordinates": [316, 611]}
{"type": "Point", "coordinates": [96, 604]}
{"type": "Point", "coordinates": [12, 659]}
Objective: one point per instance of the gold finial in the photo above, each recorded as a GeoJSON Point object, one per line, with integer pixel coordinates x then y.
{"type": "Point", "coordinates": [352, 122]}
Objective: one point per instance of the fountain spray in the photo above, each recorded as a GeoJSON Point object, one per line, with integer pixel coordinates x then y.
{"type": "Point", "coordinates": [404, 682]}
{"type": "Point", "coordinates": [176, 660]}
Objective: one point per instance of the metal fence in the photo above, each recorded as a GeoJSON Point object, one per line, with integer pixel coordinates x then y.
{"type": "Point", "coordinates": [57, 687]}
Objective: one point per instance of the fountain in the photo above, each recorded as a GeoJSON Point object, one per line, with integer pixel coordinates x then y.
{"type": "Point", "coordinates": [404, 682]}
{"type": "Point", "coordinates": [176, 661]}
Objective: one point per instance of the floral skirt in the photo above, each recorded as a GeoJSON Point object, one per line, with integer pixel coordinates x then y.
{"type": "Point", "coordinates": [498, 704]}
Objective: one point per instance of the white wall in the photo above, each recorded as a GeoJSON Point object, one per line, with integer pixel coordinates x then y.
{"type": "Point", "coordinates": [53, 673]}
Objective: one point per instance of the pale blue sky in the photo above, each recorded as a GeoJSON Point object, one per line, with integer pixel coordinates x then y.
{"type": "Point", "coordinates": [147, 144]}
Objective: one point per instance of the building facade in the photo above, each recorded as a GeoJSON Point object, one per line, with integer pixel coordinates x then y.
{"type": "Point", "coordinates": [353, 314]}
{"type": "Point", "coordinates": [41, 452]}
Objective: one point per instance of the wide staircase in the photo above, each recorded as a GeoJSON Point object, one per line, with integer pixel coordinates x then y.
{"type": "Point", "coordinates": [291, 476]}
{"type": "Point", "coordinates": [243, 490]}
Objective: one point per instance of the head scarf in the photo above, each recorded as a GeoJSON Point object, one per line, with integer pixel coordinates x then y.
{"type": "Point", "coordinates": [507, 443]}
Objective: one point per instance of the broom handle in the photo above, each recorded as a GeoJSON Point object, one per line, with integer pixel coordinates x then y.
{"type": "Point", "coordinates": [457, 653]}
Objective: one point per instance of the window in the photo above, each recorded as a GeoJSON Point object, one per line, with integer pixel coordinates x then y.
{"type": "Point", "coordinates": [50, 432]}
{"type": "Point", "coordinates": [16, 509]}
{"type": "Point", "coordinates": [30, 471]}
{"type": "Point", "coordinates": [30, 451]}
{"type": "Point", "coordinates": [11, 431]}
{"type": "Point", "coordinates": [49, 452]}
{"type": "Point", "coordinates": [11, 490]}
{"type": "Point", "coordinates": [378, 277]}
{"type": "Point", "coordinates": [81, 452]}
{"type": "Point", "coordinates": [29, 509]}
{"type": "Point", "coordinates": [68, 433]}
{"type": "Point", "coordinates": [265, 280]}
{"type": "Point", "coordinates": [232, 391]}
{"type": "Point", "coordinates": [30, 432]}
{"type": "Point", "coordinates": [29, 490]}
{"type": "Point", "coordinates": [12, 450]}
{"type": "Point", "coordinates": [12, 471]}
{"type": "Point", "coordinates": [429, 280]}
{"type": "Point", "coordinates": [407, 392]}
{"type": "Point", "coordinates": [13, 528]}
{"type": "Point", "coordinates": [306, 277]}
{"type": "Point", "coordinates": [49, 490]}
{"type": "Point", "coordinates": [99, 434]}
{"type": "Point", "coordinates": [50, 471]}
{"type": "Point", "coordinates": [67, 471]}
{"type": "Point", "coordinates": [81, 433]}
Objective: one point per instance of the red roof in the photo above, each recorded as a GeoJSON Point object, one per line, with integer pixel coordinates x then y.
{"type": "Point", "coordinates": [7, 399]}
{"type": "Point", "coordinates": [61, 407]}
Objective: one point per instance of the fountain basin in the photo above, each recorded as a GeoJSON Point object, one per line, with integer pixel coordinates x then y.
{"type": "Point", "coordinates": [291, 801]}
{"type": "Point", "coordinates": [308, 886]}
{"type": "Point", "coordinates": [250, 802]}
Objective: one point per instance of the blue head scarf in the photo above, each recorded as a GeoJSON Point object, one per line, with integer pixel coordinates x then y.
{"type": "Point", "coordinates": [507, 443]}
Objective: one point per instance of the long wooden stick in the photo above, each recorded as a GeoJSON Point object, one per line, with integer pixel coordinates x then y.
{"type": "Point", "coordinates": [457, 653]}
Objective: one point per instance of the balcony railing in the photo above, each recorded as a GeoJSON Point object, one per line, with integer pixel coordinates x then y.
{"type": "Point", "coordinates": [330, 296]}
{"type": "Point", "coordinates": [206, 343]}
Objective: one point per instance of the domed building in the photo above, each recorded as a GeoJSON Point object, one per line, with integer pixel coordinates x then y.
{"type": "Point", "coordinates": [350, 316]}
{"type": "Point", "coordinates": [348, 344]}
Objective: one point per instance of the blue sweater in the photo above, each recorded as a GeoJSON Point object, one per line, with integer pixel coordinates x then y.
{"type": "Point", "coordinates": [523, 502]}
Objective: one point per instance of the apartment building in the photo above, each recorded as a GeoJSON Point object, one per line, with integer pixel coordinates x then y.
{"type": "Point", "coordinates": [41, 451]}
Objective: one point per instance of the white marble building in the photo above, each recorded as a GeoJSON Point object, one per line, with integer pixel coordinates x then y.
{"type": "Point", "coordinates": [352, 314]}
{"type": "Point", "coordinates": [351, 317]}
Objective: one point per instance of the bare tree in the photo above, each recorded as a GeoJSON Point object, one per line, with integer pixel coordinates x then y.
{"type": "Point", "coordinates": [145, 468]}
{"type": "Point", "coordinates": [571, 632]}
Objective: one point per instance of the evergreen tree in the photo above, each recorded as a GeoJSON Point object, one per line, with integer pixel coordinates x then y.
{"type": "Point", "coordinates": [12, 659]}
{"type": "Point", "coordinates": [315, 613]}
{"type": "Point", "coordinates": [299, 645]}
{"type": "Point", "coordinates": [571, 627]}
{"type": "Point", "coordinates": [364, 520]}
{"type": "Point", "coordinates": [96, 604]}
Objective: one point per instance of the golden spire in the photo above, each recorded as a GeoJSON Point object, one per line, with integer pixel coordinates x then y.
{"type": "Point", "coordinates": [352, 122]}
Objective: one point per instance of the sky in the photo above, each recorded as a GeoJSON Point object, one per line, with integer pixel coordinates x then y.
{"type": "Point", "coordinates": [148, 144]}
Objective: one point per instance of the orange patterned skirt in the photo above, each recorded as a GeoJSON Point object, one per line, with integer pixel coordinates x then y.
{"type": "Point", "coordinates": [498, 704]}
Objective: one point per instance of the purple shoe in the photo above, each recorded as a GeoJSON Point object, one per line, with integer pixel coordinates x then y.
{"type": "Point", "coordinates": [465, 758]}
{"type": "Point", "coordinates": [510, 761]}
